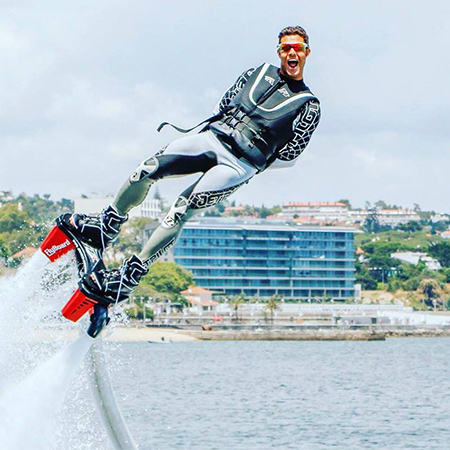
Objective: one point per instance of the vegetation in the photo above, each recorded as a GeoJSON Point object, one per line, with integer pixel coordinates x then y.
{"type": "Point", "coordinates": [25, 221]}
{"type": "Point", "coordinates": [272, 306]}
{"type": "Point", "coordinates": [376, 269]}
{"type": "Point", "coordinates": [139, 310]}
{"type": "Point", "coordinates": [432, 291]}
{"type": "Point", "coordinates": [235, 303]}
{"type": "Point", "coordinates": [129, 241]}
{"type": "Point", "coordinates": [441, 251]}
{"type": "Point", "coordinates": [164, 282]}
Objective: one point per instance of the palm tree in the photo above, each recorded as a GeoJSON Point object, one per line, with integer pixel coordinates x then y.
{"type": "Point", "coordinates": [432, 291]}
{"type": "Point", "coordinates": [272, 305]}
{"type": "Point", "coordinates": [235, 302]}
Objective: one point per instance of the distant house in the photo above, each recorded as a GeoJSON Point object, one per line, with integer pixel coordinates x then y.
{"type": "Point", "coordinates": [416, 257]}
{"type": "Point", "coordinates": [200, 299]}
{"type": "Point", "coordinates": [322, 211]}
{"type": "Point", "coordinates": [234, 210]}
{"type": "Point", "coordinates": [446, 234]}
{"type": "Point", "coordinates": [25, 254]}
{"type": "Point", "coordinates": [391, 217]}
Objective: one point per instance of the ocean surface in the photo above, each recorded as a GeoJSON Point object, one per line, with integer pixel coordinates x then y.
{"type": "Point", "coordinates": [285, 395]}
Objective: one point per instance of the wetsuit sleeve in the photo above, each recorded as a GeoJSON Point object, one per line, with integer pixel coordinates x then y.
{"type": "Point", "coordinates": [304, 126]}
{"type": "Point", "coordinates": [233, 90]}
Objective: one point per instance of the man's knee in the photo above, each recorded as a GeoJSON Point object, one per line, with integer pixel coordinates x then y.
{"type": "Point", "coordinates": [145, 170]}
{"type": "Point", "coordinates": [176, 212]}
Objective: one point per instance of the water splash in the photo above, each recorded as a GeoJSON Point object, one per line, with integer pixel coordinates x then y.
{"type": "Point", "coordinates": [30, 409]}
{"type": "Point", "coordinates": [38, 369]}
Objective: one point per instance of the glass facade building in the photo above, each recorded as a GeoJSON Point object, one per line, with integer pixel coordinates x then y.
{"type": "Point", "coordinates": [264, 258]}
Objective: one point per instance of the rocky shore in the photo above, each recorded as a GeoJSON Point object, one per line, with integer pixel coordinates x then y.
{"type": "Point", "coordinates": [267, 333]}
{"type": "Point", "coordinates": [166, 334]}
{"type": "Point", "coordinates": [288, 335]}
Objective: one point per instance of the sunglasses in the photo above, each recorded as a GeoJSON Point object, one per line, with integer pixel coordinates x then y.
{"type": "Point", "coordinates": [297, 47]}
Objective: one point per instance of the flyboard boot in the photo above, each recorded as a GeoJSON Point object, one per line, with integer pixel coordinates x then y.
{"type": "Point", "coordinates": [97, 231]}
{"type": "Point", "coordinates": [112, 286]}
{"type": "Point", "coordinates": [100, 288]}
{"type": "Point", "coordinates": [88, 236]}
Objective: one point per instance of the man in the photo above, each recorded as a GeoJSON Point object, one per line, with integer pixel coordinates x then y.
{"type": "Point", "coordinates": [264, 120]}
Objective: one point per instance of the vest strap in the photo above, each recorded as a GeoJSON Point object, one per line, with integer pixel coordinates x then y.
{"type": "Point", "coordinates": [204, 122]}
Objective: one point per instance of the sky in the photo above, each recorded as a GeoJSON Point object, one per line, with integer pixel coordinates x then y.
{"type": "Point", "coordinates": [84, 85]}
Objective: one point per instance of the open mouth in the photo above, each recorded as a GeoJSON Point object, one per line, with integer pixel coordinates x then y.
{"type": "Point", "coordinates": [292, 63]}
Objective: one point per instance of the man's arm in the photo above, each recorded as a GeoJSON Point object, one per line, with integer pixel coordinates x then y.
{"type": "Point", "coordinates": [233, 90]}
{"type": "Point", "coordinates": [304, 126]}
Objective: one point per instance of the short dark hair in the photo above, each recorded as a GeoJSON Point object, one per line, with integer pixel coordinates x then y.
{"type": "Point", "coordinates": [287, 31]}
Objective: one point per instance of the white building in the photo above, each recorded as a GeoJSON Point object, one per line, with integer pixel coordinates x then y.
{"type": "Point", "coordinates": [149, 208]}
{"type": "Point", "coordinates": [391, 217]}
{"type": "Point", "coordinates": [439, 217]}
{"type": "Point", "coordinates": [200, 299]}
{"type": "Point", "coordinates": [326, 211]}
{"type": "Point", "coordinates": [416, 257]}
{"type": "Point", "coordinates": [339, 212]}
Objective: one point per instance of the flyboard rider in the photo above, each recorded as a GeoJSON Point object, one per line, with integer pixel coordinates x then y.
{"type": "Point", "coordinates": [264, 120]}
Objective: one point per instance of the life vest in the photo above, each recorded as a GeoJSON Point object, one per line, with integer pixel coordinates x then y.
{"type": "Point", "coordinates": [259, 120]}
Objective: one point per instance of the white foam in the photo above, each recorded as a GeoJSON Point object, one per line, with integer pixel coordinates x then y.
{"type": "Point", "coordinates": [38, 373]}
{"type": "Point", "coordinates": [30, 409]}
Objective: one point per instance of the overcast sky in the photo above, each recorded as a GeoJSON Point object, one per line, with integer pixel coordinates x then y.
{"type": "Point", "coordinates": [84, 84]}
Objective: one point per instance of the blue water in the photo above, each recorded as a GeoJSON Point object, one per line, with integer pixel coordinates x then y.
{"type": "Point", "coordinates": [286, 395]}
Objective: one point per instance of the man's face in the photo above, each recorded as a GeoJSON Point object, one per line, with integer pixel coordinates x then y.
{"type": "Point", "coordinates": [293, 61]}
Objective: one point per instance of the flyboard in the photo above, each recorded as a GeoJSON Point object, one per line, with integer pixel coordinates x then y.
{"type": "Point", "coordinates": [62, 240]}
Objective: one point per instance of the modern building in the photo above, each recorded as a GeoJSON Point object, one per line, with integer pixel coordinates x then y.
{"type": "Point", "coordinates": [150, 207]}
{"type": "Point", "coordinates": [263, 258]}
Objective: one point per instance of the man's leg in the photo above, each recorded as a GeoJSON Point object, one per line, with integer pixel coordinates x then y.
{"type": "Point", "coordinates": [212, 188]}
{"type": "Point", "coordinates": [184, 156]}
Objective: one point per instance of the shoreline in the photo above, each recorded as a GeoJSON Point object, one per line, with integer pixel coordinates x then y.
{"type": "Point", "coordinates": [172, 334]}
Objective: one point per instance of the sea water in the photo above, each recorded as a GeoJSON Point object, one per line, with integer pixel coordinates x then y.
{"type": "Point", "coordinates": [286, 395]}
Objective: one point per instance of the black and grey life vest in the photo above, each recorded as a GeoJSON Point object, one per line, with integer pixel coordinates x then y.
{"type": "Point", "coordinates": [259, 119]}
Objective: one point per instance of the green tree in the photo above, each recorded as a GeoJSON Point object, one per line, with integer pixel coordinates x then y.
{"type": "Point", "coordinates": [272, 306]}
{"type": "Point", "coordinates": [139, 310]}
{"type": "Point", "coordinates": [364, 277]}
{"type": "Point", "coordinates": [381, 204]}
{"type": "Point", "coordinates": [441, 251]}
{"type": "Point", "coordinates": [130, 239]}
{"type": "Point", "coordinates": [440, 226]}
{"type": "Point", "coordinates": [235, 302]}
{"type": "Point", "coordinates": [445, 271]}
{"type": "Point", "coordinates": [264, 212]}
{"type": "Point", "coordinates": [13, 219]}
{"type": "Point", "coordinates": [346, 202]}
{"type": "Point", "coordinates": [167, 278]}
{"type": "Point", "coordinates": [432, 291]}
{"type": "Point", "coordinates": [410, 227]}
{"type": "Point", "coordinates": [372, 222]}
{"type": "Point", "coordinates": [3, 250]}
